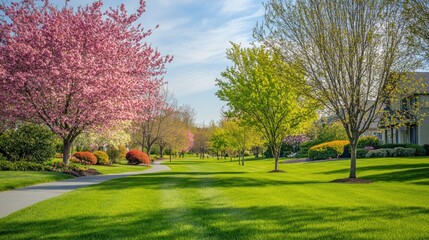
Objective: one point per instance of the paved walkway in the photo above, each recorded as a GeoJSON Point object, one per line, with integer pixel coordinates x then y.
{"type": "Point", "coordinates": [14, 200]}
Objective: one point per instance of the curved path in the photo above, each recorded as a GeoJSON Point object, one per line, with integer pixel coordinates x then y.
{"type": "Point", "coordinates": [14, 200]}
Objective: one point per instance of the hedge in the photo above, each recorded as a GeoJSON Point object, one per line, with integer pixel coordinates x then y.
{"type": "Point", "coordinates": [378, 153]}
{"type": "Point", "coordinates": [420, 150]}
{"type": "Point", "coordinates": [368, 141]}
{"type": "Point", "coordinates": [22, 166]}
{"type": "Point", "coordinates": [404, 152]}
{"type": "Point", "coordinates": [332, 149]}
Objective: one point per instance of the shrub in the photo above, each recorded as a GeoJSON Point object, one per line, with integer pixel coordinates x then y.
{"type": "Point", "coordinates": [102, 157]}
{"type": "Point", "coordinates": [22, 166]}
{"type": "Point", "coordinates": [426, 147]}
{"type": "Point", "coordinates": [420, 150]}
{"type": "Point", "coordinates": [361, 153]}
{"type": "Point", "coordinates": [378, 153]}
{"type": "Point", "coordinates": [6, 165]}
{"type": "Point", "coordinates": [136, 157]}
{"type": "Point", "coordinates": [28, 142]}
{"type": "Point", "coordinates": [85, 157]}
{"type": "Point", "coordinates": [2, 158]}
{"type": "Point", "coordinates": [404, 152]}
{"type": "Point", "coordinates": [327, 150]}
{"type": "Point", "coordinates": [303, 151]}
{"type": "Point", "coordinates": [116, 153]}
{"type": "Point", "coordinates": [368, 141]}
{"type": "Point", "coordinates": [389, 151]}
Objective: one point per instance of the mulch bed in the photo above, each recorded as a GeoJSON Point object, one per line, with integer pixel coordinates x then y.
{"type": "Point", "coordinates": [278, 171]}
{"type": "Point", "coordinates": [88, 172]}
{"type": "Point", "coordinates": [352, 180]}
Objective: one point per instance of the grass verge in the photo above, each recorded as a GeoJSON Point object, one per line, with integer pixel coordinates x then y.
{"type": "Point", "coordinates": [16, 179]}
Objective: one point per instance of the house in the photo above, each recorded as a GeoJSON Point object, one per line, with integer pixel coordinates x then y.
{"type": "Point", "coordinates": [411, 130]}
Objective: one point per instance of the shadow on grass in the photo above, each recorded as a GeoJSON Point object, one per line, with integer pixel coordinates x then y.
{"type": "Point", "coordinates": [397, 172]}
{"type": "Point", "coordinates": [185, 181]}
{"type": "Point", "coordinates": [209, 222]}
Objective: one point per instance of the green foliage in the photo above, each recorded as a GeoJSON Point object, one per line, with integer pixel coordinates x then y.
{"type": "Point", "coordinates": [368, 141]}
{"type": "Point", "coordinates": [260, 89]}
{"type": "Point", "coordinates": [102, 157]}
{"type": "Point", "coordinates": [303, 152]}
{"type": "Point", "coordinates": [22, 166]}
{"type": "Point", "coordinates": [404, 152]}
{"type": "Point", "coordinates": [426, 147]}
{"type": "Point", "coordinates": [361, 153]}
{"type": "Point", "coordinates": [389, 151]}
{"type": "Point", "coordinates": [28, 142]}
{"type": "Point", "coordinates": [116, 153]}
{"type": "Point", "coordinates": [323, 131]}
{"type": "Point", "coordinates": [327, 150]}
{"type": "Point", "coordinates": [2, 158]}
{"type": "Point", "coordinates": [378, 153]}
{"type": "Point", "coordinates": [420, 150]}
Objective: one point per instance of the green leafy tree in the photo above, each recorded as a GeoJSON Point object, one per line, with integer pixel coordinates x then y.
{"type": "Point", "coordinates": [260, 93]}
{"type": "Point", "coordinates": [219, 142]}
{"type": "Point", "coordinates": [417, 16]}
{"type": "Point", "coordinates": [354, 55]}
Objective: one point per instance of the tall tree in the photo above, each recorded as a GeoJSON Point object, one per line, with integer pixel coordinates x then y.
{"type": "Point", "coordinates": [352, 53]}
{"type": "Point", "coordinates": [417, 16]}
{"type": "Point", "coordinates": [240, 137]}
{"type": "Point", "coordinates": [259, 91]}
{"type": "Point", "coordinates": [153, 118]}
{"type": "Point", "coordinates": [74, 69]}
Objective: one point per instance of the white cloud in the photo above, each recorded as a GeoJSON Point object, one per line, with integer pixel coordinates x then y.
{"type": "Point", "coordinates": [191, 80]}
{"type": "Point", "coordinates": [206, 45]}
{"type": "Point", "coordinates": [236, 6]}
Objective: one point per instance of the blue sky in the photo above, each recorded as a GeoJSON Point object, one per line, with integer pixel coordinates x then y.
{"type": "Point", "coordinates": [197, 33]}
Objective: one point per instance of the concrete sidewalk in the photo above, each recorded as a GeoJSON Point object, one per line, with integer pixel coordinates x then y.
{"type": "Point", "coordinates": [14, 200]}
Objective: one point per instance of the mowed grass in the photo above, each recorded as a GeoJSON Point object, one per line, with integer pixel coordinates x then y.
{"type": "Point", "coordinates": [12, 180]}
{"type": "Point", "coordinates": [217, 199]}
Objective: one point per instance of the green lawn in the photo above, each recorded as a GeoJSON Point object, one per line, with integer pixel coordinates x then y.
{"type": "Point", "coordinates": [211, 199]}
{"type": "Point", "coordinates": [11, 180]}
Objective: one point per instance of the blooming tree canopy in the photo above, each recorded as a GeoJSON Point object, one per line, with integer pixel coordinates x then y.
{"type": "Point", "coordinates": [75, 69]}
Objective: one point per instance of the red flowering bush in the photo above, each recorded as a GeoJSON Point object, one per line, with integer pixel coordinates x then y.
{"type": "Point", "coordinates": [136, 157]}
{"type": "Point", "coordinates": [85, 157]}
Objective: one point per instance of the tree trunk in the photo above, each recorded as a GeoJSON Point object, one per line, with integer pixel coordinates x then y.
{"type": "Point", "coordinates": [148, 147]}
{"type": "Point", "coordinates": [353, 148]}
{"type": "Point", "coordinates": [66, 151]}
{"type": "Point", "coordinates": [171, 153]}
{"type": "Point", "coordinates": [161, 152]}
{"type": "Point", "coordinates": [276, 153]}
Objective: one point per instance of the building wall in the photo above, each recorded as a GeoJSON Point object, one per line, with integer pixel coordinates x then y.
{"type": "Point", "coordinates": [423, 129]}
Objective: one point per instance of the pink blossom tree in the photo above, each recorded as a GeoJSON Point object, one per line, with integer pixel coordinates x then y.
{"type": "Point", "coordinates": [75, 69]}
